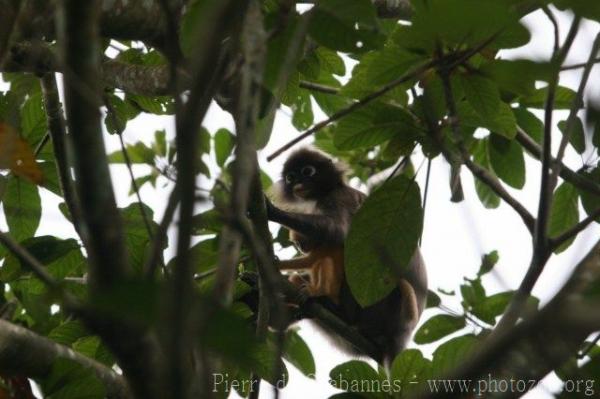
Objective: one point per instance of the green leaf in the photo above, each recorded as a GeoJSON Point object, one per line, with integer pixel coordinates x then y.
{"type": "Point", "coordinates": [507, 160]}
{"type": "Point", "coordinates": [33, 120]}
{"type": "Point", "coordinates": [328, 103]}
{"type": "Point", "coordinates": [438, 327]}
{"type": "Point", "coordinates": [492, 307]}
{"type": "Point", "coordinates": [204, 255]}
{"type": "Point", "coordinates": [279, 63]}
{"type": "Point", "coordinates": [345, 26]}
{"type": "Point", "coordinates": [372, 125]}
{"type": "Point", "coordinates": [487, 196]}
{"type": "Point", "coordinates": [133, 299]}
{"type": "Point", "coordinates": [452, 353]}
{"type": "Point", "coordinates": [300, 104]}
{"type": "Point", "coordinates": [68, 380]}
{"type": "Point", "coordinates": [472, 292]}
{"type": "Point", "coordinates": [564, 213]}
{"type": "Point", "coordinates": [433, 300]}
{"type": "Point", "coordinates": [563, 98]}
{"type": "Point", "coordinates": [207, 222]}
{"type": "Point", "coordinates": [387, 226]}
{"type": "Point", "coordinates": [460, 22]}
{"type": "Point", "coordinates": [297, 352]}
{"type": "Point", "coordinates": [137, 238]}
{"type": "Point", "coordinates": [516, 76]}
{"type": "Point", "coordinates": [68, 332]}
{"type": "Point", "coordinates": [504, 123]}
{"type": "Point", "coordinates": [590, 201]}
{"type": "Point", "coordinates": [46, 249]}
{"type": "Point", "coordinates": [411, 370]}
{"type": "Point", "coordinates": [577, 134]}
{"type": "Point", "coordinates": [530, 123]}
{"type": "Point", "coordinates": [482, 94]}
{"type": "Point", "coordinates": [584, 8]}
{"type": "Point", "coordinates": [330, 61]}
{"type": "Point", "coordinates": [157, 105]}
{"type": "Point", "coordinates": [352, 376]}
{"type": "Point", "coordinates": [138, 153]}
{"type": "Point", "coordinates": [51, 181]}
{"type": "Point", "coordinates": [488, 261]}
{"type": "Point", "coordinates": [160, 143]}
{"type": "Point", "coordinates": [119, 113]}
{"type": "Point", "coordinates": [379, 68]}
{"type": "Point", "coordinates": [22, 208]}
{"type": "Point", "coordinates": [224, 143]}
{"type": "Point", "coordinates": [93, 348]}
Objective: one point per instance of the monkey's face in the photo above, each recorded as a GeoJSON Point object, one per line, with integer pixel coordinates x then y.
{"type": "Point", "coordinates": [309, 175]}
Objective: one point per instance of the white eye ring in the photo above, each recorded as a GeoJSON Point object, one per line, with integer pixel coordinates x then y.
{"type": "Point", "coordinates": [289, 178]}
{"type": "Point", "coordinates": [308, 171]}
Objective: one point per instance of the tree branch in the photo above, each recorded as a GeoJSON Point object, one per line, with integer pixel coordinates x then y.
{"type": "Point", "coordinates": [56, 126]}
{"type": "Point", "coordinates": [141, 20]}
{"type": "Point", "coordinates": [575, 106]}
{"type": "Point", "coordinates": [208, 65]}
{"type": "Point", "coordinates": [415, 72]}
{"type": "Point", "coordinates": [155, 254]}
{"type": "Point", "coordinates": [136, 349]}
{"type": "Point", "coordinates": [30, 261]}
{"type": "Point", "coordinates": [492, 182]}
{"type": "Point", "coordinates": [22, 352]}
{"type": "Point", "coordinates": [533, 348]}
{"type": "Point", "coordinates": [395, 9]}
{"type": "Point", "coordinates": [576, 179]}
{"type": "Point", "coordinates": [540, 246]}
{"type": "Point", "coordinates": [82, 99]}
{"type": "Point", "coordinates": [574, 231]}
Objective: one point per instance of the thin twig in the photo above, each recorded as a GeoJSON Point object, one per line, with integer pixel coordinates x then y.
{"type": "Point", "coordinates": [352, 107]}
{"type": "Point", "coordinates": [40, 147]}
{"type": "Point", "coordinates": [573, 231]}
{"type": "Point", "coordinates": [112, 114]}
{"type": "Point", "coordinates": [155, 254]}
{"type": "Point", "coordinates": [318, 87]}
{"type": "Point", "coordinates": [554, 23]}
{"type": "Point", "coordinates": [576, 179]}
{"type": "Point", "coordinates": [135, 186]}
{"type": "Point", "coordinates": [575, 106]}
{"type": "Point", "coordinates": [545, 201]}
{"type": "Point", "coordinates": [577, 66]}
{"type": "Point", "coordinates": [27, 259]}
{"type": "Point", "coordinates": [400, 166]}
{"type": "Point", "coordinates": [591, 346]}
{"type": "Point", "coordinates": [57, 130]}
{"type": "Point", "coordinates": [492, 182]}
{"type": "Point", "coordinates": [208, 37]}
{"type": "Point", "coordinates": [452, 59]}
{"type": "Point", "coordinates": [540, 247]}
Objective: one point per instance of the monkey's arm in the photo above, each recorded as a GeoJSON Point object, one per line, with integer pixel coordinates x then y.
{"type": "Point", "coordinates": [324, 228]}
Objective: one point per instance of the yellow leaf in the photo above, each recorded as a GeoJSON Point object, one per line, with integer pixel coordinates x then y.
{"type": "Point", "coordinates": [17, 156]}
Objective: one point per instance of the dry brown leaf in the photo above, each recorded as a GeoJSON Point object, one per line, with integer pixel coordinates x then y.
{"type": "Point", "coordinates": [17, 156]}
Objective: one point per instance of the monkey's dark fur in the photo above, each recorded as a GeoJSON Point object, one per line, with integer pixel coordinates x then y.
{"type": "Point", "coordinates": [319, 206]}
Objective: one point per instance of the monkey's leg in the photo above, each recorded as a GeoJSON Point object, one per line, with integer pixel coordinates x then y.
{"type": "Point", "coordinates": [406, 322]}
{"type": "Point", "coordinates": [298, 281]}
{"type": "Point", "coordinates": [409, 306]}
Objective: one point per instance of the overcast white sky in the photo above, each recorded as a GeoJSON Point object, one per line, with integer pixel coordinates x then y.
{"type": "Point", "coordinates": [455, 235]}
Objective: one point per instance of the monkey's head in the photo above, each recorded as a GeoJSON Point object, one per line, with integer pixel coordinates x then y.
{"type": "Point", "coordinates": [309, 175]}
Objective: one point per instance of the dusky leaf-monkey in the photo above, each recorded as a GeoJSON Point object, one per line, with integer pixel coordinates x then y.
{"type": "Point", "coordinates": [316, 204]}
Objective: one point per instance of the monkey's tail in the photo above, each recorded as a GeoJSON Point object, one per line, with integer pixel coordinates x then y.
{"type": "Point", "coordinates": [406, 323]}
